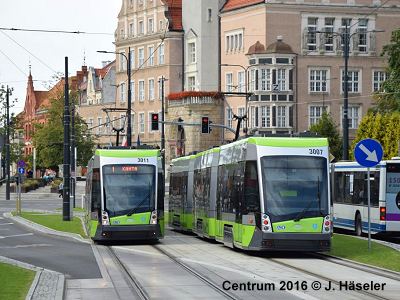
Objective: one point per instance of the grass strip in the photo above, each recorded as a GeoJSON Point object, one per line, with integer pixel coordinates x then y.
{"type": "Point", "coordinates": [55, 221]}
{"type": "Point", "coordinates": [15, 281]}
{"type": "Point", "coordinates": [357, 249]}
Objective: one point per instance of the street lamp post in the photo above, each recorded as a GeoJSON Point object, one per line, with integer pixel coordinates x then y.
{"type": "Point", "coordinates": [128, 63]}
{"type": "Point", "coordinates": [246, 91]}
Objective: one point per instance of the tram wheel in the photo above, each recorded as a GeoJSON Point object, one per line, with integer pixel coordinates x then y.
{"type": "Point", "coordinates": [358, 225]}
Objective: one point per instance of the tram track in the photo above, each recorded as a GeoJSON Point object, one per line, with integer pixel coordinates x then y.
{"type": "Point", "coordinates": [198, 275]}
{"type": "Point", "coordinates": [130, 279]}
{"type": "Point", "coordinates": [327, 279]}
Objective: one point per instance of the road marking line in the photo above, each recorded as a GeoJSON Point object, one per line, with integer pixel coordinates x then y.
{"type": "Point", "coordinates": [15, 235]}
{"type": "Point", "coordinates": [26, 246]}
{"type": "Point", "coordinates": [1, 218]}
{"type": "Point", "coordinates": [6, 224]}
{"type": "Point", "coordinates": [4, 229]}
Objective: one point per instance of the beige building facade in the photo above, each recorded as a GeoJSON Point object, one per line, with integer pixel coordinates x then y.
{"type": "Point", "coordinates": [290, 53]}
{"type": "Point", "coordinates": [152, 31]}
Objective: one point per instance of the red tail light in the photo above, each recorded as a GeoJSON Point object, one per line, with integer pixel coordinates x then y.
{"type": "Point", "coordinates": [382, 213]}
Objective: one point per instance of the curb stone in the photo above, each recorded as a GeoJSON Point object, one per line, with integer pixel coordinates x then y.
{"type": "Point", "coordinates": [47, 284]}
{"type": "Point", "coordinates": [45, 229]}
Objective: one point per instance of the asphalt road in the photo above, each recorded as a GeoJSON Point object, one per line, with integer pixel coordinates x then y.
{"type": "Point", "coordinates": [64, 255]}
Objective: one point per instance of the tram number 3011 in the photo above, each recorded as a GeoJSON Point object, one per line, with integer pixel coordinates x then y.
{"type": "Point", "coordinates": [315, 151]}
{"type": "Point", "coordinates": [142, 160]}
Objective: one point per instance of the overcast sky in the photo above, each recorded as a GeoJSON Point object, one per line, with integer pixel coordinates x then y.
{"type": "Point", "coordinates": [46, 51]}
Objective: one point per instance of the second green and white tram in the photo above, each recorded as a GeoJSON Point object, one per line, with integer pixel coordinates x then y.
{"type": "Point", "coordinates": [258, 193]}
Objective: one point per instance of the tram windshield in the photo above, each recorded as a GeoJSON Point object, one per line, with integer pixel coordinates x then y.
{"type": "Point", "coordinates": [294, 187]}
{"type": "Point", "coordinates": [128, 189]}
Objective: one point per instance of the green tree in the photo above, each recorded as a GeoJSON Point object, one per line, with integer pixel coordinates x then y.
{"type": "Point", "coordinates": [48, 138]}
{"type": "Point", "coordinates": [327, 128]}
{"type": "Point", "coordinates": [388, 98]}
{"type": "Point", "coordinates": [382, 127]}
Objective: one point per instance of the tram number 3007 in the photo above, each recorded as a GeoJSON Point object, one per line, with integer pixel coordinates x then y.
{"type": "Point", "coordinates": [315, 151]}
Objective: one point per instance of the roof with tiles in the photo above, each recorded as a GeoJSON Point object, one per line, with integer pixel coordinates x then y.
{"type": "Point", "coordinates": [236, 4]}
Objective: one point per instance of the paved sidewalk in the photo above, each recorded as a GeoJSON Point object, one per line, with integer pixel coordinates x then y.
{"type": "Point", "coordinates": [47, 285]}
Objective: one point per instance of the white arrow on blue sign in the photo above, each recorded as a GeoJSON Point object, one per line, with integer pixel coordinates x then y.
{"type": "Point", "coordinates": [368, 152]}
{"type": "Point", "coordinates": [21, 170]}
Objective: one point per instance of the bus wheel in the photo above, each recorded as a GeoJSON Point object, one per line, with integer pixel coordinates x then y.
{"type": "Point", "coordinates": [358, 225]}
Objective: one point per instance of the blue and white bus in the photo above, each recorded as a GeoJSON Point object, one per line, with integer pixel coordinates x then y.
{"type": "Point", "coordinates": [350, 196]}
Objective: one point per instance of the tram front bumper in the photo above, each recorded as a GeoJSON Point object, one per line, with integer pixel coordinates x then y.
{"type": "Point", "coordinates": [128, 232]}
{"type": "Point", "coordinates": [316, 242]}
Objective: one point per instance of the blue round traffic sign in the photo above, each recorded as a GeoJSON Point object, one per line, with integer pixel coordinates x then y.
{"type": "Point", "coordinates": [368, 152]}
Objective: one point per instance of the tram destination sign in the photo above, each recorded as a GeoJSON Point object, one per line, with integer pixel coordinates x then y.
{"type": "Point", "coordinates": [368, 152]}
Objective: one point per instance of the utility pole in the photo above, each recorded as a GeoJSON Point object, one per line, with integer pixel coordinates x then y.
{"type": "Point", "coordinates": [8, 143]}
{"type": "Point", "coordinates": [162, 124]}
{"type": "Point", "coordinates": [73, 175]}
{"type": "Point", "coordinates": [66, 164]}
{"type": "Point", "coordinates": [346, 37]}
{"type": "Point", "coordinates": [129, 129]}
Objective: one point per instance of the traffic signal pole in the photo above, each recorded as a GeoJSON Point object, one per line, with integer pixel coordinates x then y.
{"type": "Point", "coordinates": [66, 163]}
{"type": "Point", "coordinates": [8, 144]}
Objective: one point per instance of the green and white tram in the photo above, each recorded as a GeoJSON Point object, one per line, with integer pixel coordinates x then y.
{"type": "Point", "coordinates": [259, 193]}
{"type": "Point", "coordinates": [125, 195]}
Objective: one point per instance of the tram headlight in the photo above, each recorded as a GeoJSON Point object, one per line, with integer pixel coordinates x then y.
{"type": "Point", "coordinates": [266, 223]}
{"type": "Point", "coordinates": [153, 217]}
{"type": "Point", "coordinates": [104, 218]}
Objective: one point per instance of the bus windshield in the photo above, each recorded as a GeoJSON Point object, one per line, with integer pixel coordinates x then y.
{"type": "Point", "coordinates": [128, 189]}
{"type": "Point", "coordinates": [294, 187]}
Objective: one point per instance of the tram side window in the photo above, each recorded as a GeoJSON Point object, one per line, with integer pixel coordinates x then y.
{"type": "Point", "coordinates": [251, 192]}
{"type": "Point", "coordinates": [96, 190]}
{"type": "Point", "coordinates": [207, 180]}
{"type": "Point", "coordinates": [238, 192]}
{"type": "Point", "coordinates": [160, 192]}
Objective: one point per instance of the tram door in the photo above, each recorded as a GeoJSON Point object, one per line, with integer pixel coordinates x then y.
{"type": "Point", "coordinates": [393, 197]}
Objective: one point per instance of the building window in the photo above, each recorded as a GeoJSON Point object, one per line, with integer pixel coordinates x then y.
{"type": "Point", "coordinates": [209, 15]}
{"type": "Point", "coordinates": [252, 80]}
{"type": "Point", "coordinates": [122, 34]}
{"type": "Point", "coordinates": [191, 83]}
{"type": "Point", "coordinates": [141, 27]}
{"type": "Point", "coordinates": [141, 90]}
{"type": "Point", "coordinates": [254, 116]}
{"type": "Point", "coordinates": [133, 122]}
{"type": "Point", "coordinates": [90, 126]}
{"type": "Point", "coordinates": [141, 123]}
{"type": "Point", "coordinates": [122, 92]}
{"type": "Point", "coordinates": [378, 78]}
{"type": "Point", "coordinates": [345, 22]}
{"type": "Point", "coordinates": [161, 25]}
{"type": "Point", "coordinates": [99, 123]}
{"type": "Point", "coordinates": [122, 120]}
{"type": "Point", "coordinates": [362, 35]}
{"type": "Point", "coordinates": [131, 33]}
{"type": "Point", "coordinates": [265, 116]}
{"type": "Point", "coordinates": [241, 82]}
{"type": "Point", "coordinates": [151, 89]}
{"type": "Point", "coordinates": [150, 26]}
{"type": "Point", "coordinates": [229, 83]}
{"type": "Point", "coordinates": [234, 41]}
{"type": "Point", "coordinates": [192, 53]}
{"type": "Point", "coordinates": [108, 125]}
{"type": "Point", "coordinates": [122, 62]}
{"type": "Point", "coordinates": [141, 57]}
{"type": "Point", "coordinates": [161, 54]}
{"type": "Point", "coordinates": [353, 116]}
{"type": "Point", "coordinates": [281, 116]}
{"type": "Point", "coordinates": [281, 79]}
{"type": "Point", "coordinates": [265, 79]}
{"type": "Point", "coordinates": [229, 116]}
{"type": "Point", "coordinates": [318, 80]}
{"type": "Point", "coordinates": [151, 56]}
{"type": "Point", "coordinates": [353, 81]}
{"type": "Point", "coordinates": [312, 33]}
{"type": "Point", "coordinates": [315, 113]}
{"type": "Point", "coordinates": [241, 113]}
{"type": "Point", "coordinates": [132, 58]}
{"type": "Point", "coordinates": [132, 90]}
{"type": "Point", "coordinates": [328, 36]}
